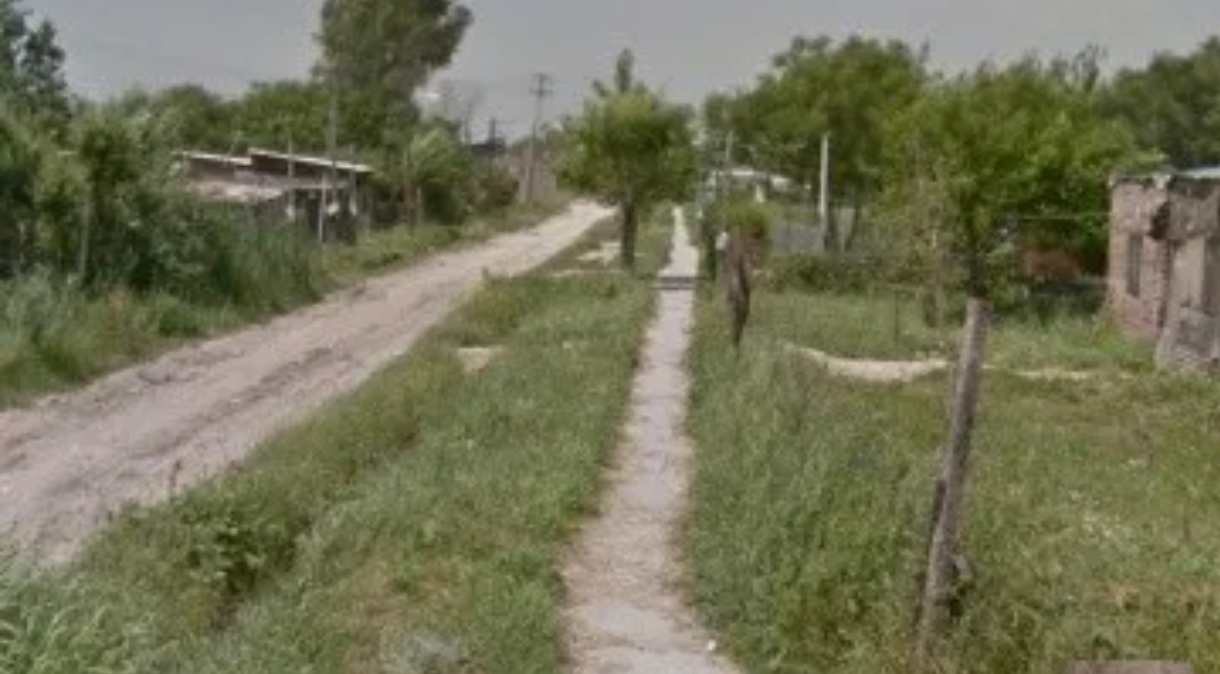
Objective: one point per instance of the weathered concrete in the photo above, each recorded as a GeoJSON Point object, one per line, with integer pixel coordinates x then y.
{"type": "Point", "coordinates": [626, 613]}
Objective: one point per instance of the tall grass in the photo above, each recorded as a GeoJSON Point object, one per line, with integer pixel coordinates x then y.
{"type": "Point", "coordinates": [1091, 513]}
{"type": "Point", "coordinates": [416, 525]}
{"type": "Point", "coordinates": [891, 327]}
{"type": "Point", "coordinates": [55, 335]}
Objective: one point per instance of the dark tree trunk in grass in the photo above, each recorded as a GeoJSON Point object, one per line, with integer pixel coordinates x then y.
{"type": "Point", "coordinates": [940, 581]}
{"type": "Point", "coordinates": [631, 226]}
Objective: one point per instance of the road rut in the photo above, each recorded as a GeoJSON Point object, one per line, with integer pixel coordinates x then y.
{"type": "Point", "coordinates": [68, 462]}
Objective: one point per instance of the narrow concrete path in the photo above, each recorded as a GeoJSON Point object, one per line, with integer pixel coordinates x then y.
{"type": "Point", "coordinates": [626, 613]}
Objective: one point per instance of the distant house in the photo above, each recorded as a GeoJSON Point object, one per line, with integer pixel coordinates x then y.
{"type": "Point", "coordinates": [1164, 275]}
{"type": "Point", "coordinates": [276, 187]}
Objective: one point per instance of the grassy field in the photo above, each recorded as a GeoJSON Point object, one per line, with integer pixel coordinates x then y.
{"type": "Point", "coordinates": [53, 338]}
{"type": "Point", "coordinates": [1093, 516]}
{"type": "Point", "coordinates": [415, 526]}
{"type": "Point", "coordinates": [889, 327]}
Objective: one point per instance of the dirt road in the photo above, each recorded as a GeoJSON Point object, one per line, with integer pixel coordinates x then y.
{"type": "Point", "coordinates": [626, 613]}
{"type": "Point", "coordinates": [69, 461]}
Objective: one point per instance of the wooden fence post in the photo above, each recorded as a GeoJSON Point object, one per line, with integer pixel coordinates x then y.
{"type": "Point", "coordinates": [941, 575]}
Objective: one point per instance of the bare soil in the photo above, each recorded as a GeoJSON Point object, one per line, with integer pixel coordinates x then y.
{"type": "Point", "coordinates": [626, 613]}
{"type": "Point", "coordinates": [68, 462]}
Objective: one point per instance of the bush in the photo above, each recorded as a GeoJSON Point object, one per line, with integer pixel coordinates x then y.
{"type": "Point", "coordinates": [497, 189]}
{"type": "Point", "coordinates": [823, 273]}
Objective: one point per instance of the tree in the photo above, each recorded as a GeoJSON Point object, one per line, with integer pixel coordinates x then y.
{"type": "Point", "coordinates": [1174, 104]}
{"type": "Point", "coordinates": [630, 148]}
{"type": "Point", "coordinates": [195, 117]}
{"type": "Point", "coordinates": [849, 90]}
{"type": "Point", "coordinates": [286, 113]}
{"type": "Point", "coordinates": [32, 68]}
{"type": "Point", "coordinates": [377, 53]}
{"type": "Point", "coordinates": [1014, 150]}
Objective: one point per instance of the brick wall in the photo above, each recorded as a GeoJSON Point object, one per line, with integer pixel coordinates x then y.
{"type": "Point", "coordinates": [1133, 205]}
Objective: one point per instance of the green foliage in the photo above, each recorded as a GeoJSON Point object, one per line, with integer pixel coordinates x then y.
{"type": "Point", "coordinates": [748, 217]}
{"type": "Point", "coordinates": [1087, 526]}
{"type": "Point", "coordinates": [379, 52]}
{"type": "Point", "coordinates": [1025, 141]}
{"type": "Point", "coordinates": [32, 68]}
{"type": "Point", "coordinates": [630, 148]}
{"type": "Point", "coordinates": [823, 273]}
{"type": "Point", "coordinates": [195, 118]}
{"type": "Point", "coordinates": [1173, 104]}
{"type": "Point", "coordinates": [286, 113]}
{"type": "Point", "coordinates": [377, 532]}
{"type": "Point", "coordinates": [849, 90]}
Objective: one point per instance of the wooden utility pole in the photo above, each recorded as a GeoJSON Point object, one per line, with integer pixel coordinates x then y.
{"type": "Point", "coordinates": [940, 580]}
{"type": "Point", "coordinates": [541, 90]}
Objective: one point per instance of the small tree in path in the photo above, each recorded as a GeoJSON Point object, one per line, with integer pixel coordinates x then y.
{"type": "Point", "coordinates": [630, 148]}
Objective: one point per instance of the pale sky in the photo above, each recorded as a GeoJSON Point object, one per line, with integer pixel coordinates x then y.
{"type": "Point", "coordinates": [689, 47]}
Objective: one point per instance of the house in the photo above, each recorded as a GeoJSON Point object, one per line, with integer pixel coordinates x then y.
{"type": "Point", "coordinates": [272, 186]}
{"type": "Point", "coordinates": [1163, 283]}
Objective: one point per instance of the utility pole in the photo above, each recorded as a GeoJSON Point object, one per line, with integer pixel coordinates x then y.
{"type": "Point", "coordinates": [829, 232]}
{"type": "Point", "coordinates": [331, 114]}
{"type": "Point", "coordinates": [824, 181]}
{"type": "Point", "coordinates": [541, 90]}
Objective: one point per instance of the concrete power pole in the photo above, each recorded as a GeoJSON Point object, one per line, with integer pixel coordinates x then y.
{"type": "Point", "coordinates": [824, 181]}
{"type": "Point", "coordinates": [541, 90]}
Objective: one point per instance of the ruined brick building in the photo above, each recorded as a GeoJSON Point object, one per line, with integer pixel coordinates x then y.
{"type": "Point", "coordinates": [1164, 273]}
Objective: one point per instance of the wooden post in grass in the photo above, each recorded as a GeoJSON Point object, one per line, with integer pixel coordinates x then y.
{"type": "Point", "coordinates": [941, 576]}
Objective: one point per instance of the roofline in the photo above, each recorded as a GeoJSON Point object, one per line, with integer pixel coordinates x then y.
{"type": "Point", "coordinates": [321, 162]}
{"type": "Point", "coordinates": [210, 156]}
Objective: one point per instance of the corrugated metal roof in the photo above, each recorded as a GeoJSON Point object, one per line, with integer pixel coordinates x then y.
{"type": "Point", "coordinates": [321, 162]}
{"type": "Point", "coordinates": [218, 158]}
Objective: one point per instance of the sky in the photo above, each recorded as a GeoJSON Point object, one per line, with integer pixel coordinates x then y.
{"type": "Point", "coordinates": [687, 47]}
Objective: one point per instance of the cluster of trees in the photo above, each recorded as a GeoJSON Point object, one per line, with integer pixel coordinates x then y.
{"type": "Point", "coordinates": [976, 166]}
{"type": "Point", "coordinates": [87, 191]}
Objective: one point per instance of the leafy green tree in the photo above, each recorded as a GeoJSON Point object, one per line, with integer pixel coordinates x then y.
{"type": "Point", "coordinates": [377, 53]}
{"type": "Point", "coordinates": [1174, 104]}
{"type": "Point", "coordinates": [1010, 156]}
{"type": "Point", "coordinates": [196, 118]}
{"type": "Point", "coordinates": [288, 112]}
{"type": "Point", "coordinates": [32, 68]}
{"type": "Point", "coordinates": [630, 148]}
{"type": "Point", "coordinates": [849, 90]}
{"type": "Point", "coordinates": [20, 156]}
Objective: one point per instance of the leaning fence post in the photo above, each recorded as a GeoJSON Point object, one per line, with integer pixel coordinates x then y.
{"type": "Point", "coordinates": [941, 576]}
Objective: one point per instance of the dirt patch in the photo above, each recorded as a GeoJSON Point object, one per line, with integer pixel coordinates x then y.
{"type": "Point", "coordinates": [876, 371]}
{"type": "Point", "coordinates": [476, 359]}
{"type": "Point", "coordinates": [194, 412]}
{"type": "Point", "coordinates": [607, 253]}
{"type": "Point", "coordinates": [625, 611]}
{"type": "Point", "coordinates": [905, 371]}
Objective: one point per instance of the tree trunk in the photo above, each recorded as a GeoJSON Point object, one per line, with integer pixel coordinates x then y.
{"type": "Point", "coordinates": [630, 233]}
{"type": "Point", "coordinates": [941, 576]}
{"type": "Point", "coordinates": [710, 254]}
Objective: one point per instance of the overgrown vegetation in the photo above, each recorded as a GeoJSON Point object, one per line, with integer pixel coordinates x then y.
{"type": "Point", "coordinates": [105, 255]}
{"type": "Point", "coordinates": [893, 326]}
{"type": "Point", "coordinates": [415, 526]}
{"type": "Point", "coordinates": [631, 148]}
{"type": "Point", "coordinates": [1090, 519]}
{"type": "Point", "coordinates": [956, 182]}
